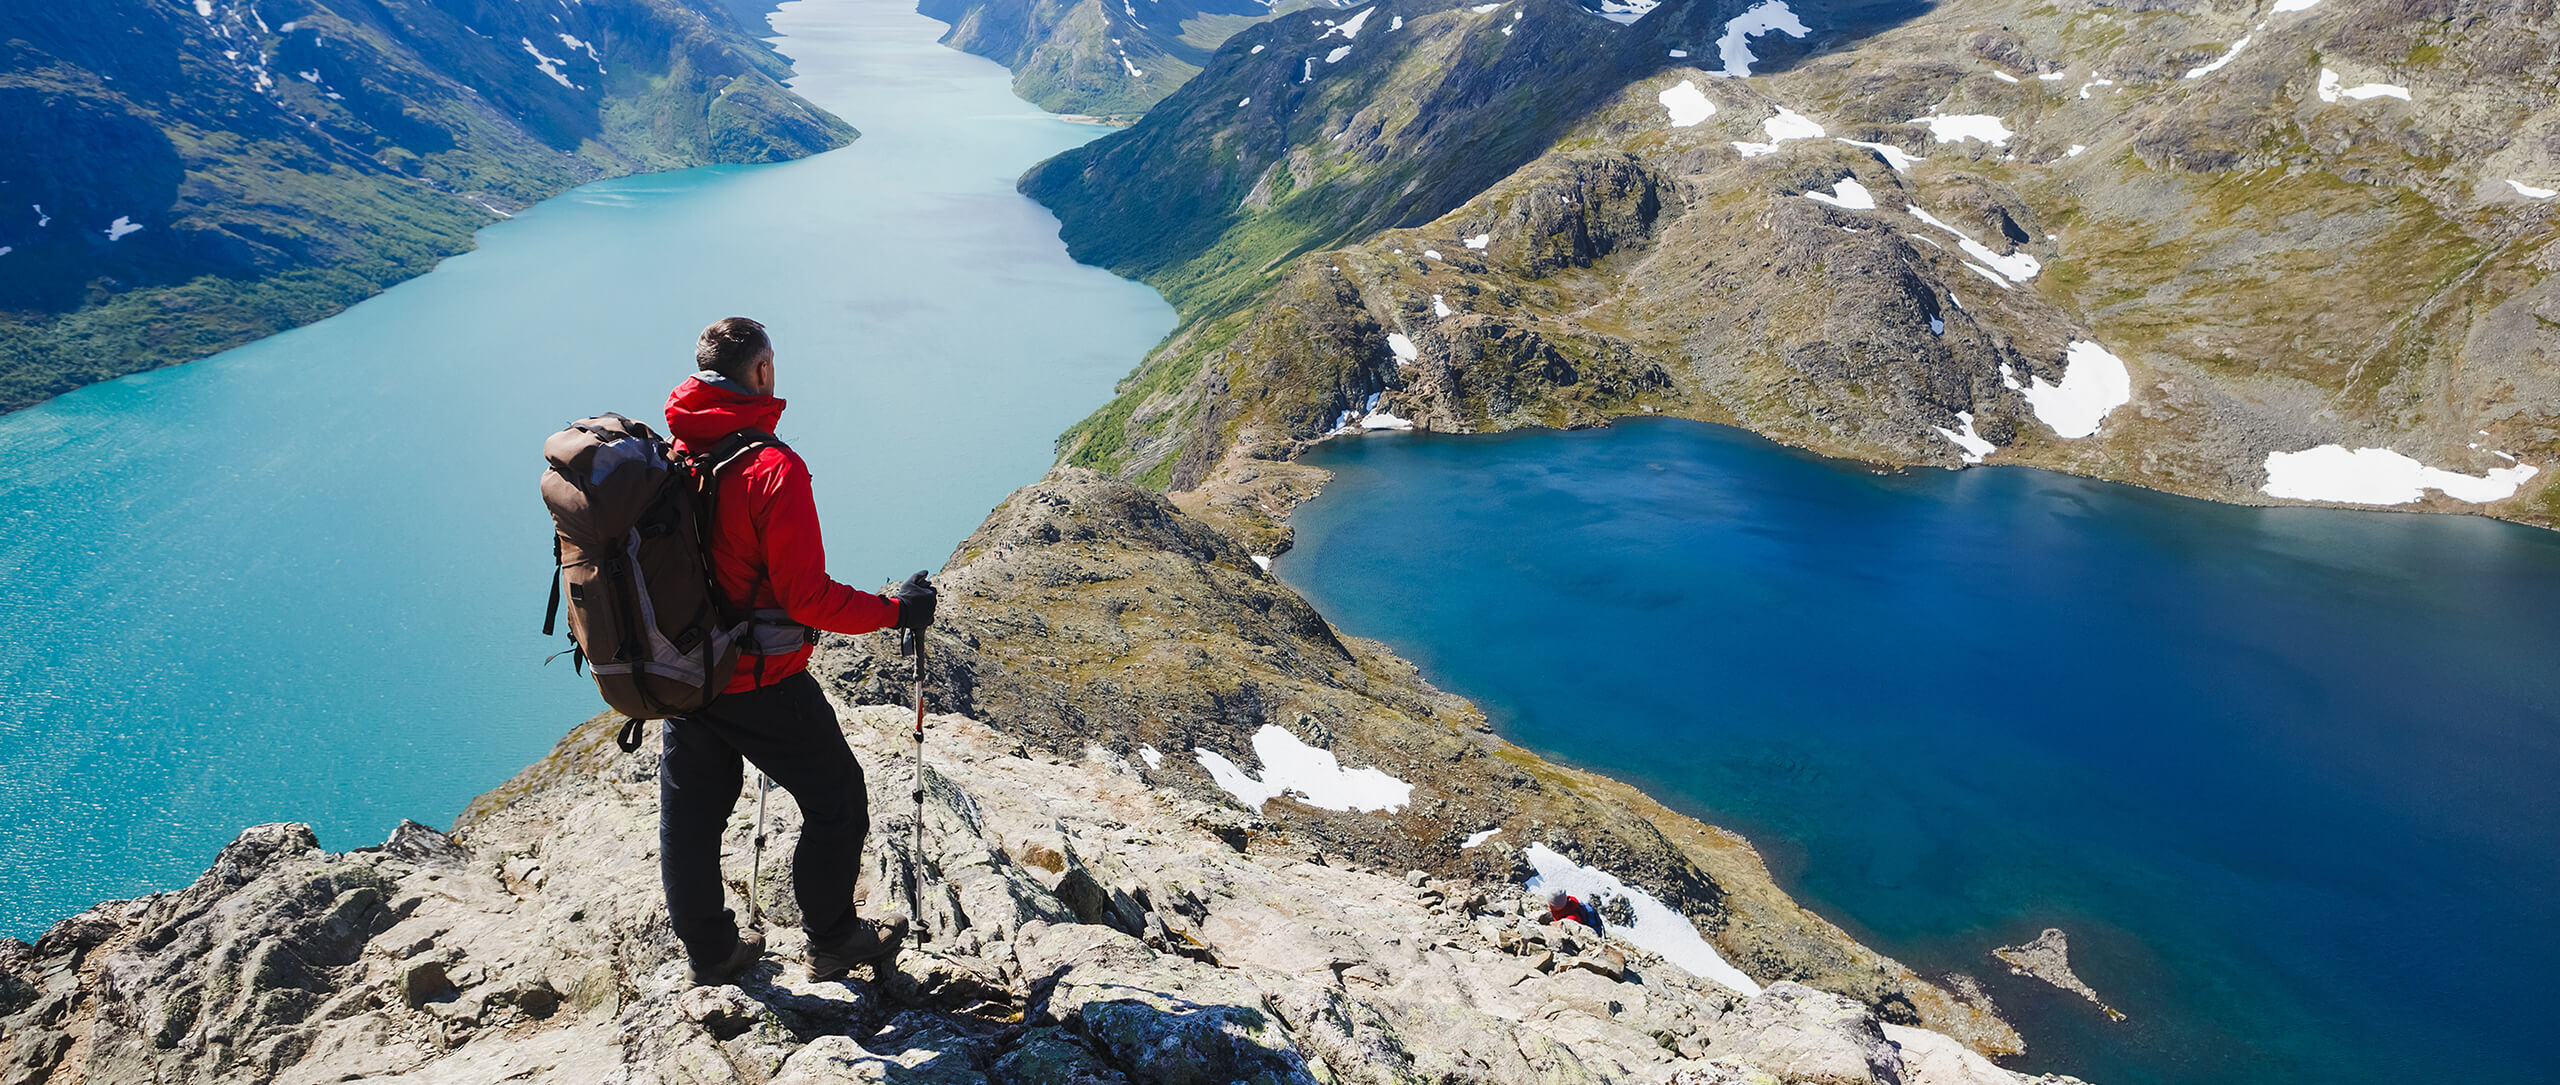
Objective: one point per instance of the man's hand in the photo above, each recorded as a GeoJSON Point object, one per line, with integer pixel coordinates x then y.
{"type": "Point", "coordinates": [915, 603]}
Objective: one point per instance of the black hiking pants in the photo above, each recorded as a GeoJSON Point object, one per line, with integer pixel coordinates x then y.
{"type": "Point", "coordinates": [788, 731]}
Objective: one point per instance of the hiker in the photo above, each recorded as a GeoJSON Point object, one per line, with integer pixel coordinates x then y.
{"type": "Point", "coordinates": [765, 554]}
{"type": "Point", "coordinates": [1562, 906]}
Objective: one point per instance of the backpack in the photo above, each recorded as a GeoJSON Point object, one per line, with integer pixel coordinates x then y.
{"type": "Point", "coordinates": [632, 524]}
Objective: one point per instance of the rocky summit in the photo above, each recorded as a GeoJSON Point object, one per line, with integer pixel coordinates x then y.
{"type": "Point", "coordinates": [1102, 892]}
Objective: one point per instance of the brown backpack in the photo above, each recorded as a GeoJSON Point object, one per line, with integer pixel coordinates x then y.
{"type": "Point", "coordinates": [632, 523]}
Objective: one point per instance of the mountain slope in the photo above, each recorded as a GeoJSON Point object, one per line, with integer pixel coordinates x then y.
{"type": "Point", "coordinates": [285, 158]}
{"type": "Point", "coordinates": [1901, 244]}
{"type": "Point", "coordinates": [1096, 910]}
{"type": "Point", "coordinates": [1110, 59]}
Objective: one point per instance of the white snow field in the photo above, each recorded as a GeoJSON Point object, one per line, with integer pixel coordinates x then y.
{"type": "Point", "coordinates": [1734, 48]}
{"type": "Point", "coordinates": [1975, 448]}
{"type": "Point", "coordinates": [1314, 776]}
{"type": "Point", "coordinates": [1848, 193]}
{"type": "Point", "coordinates": [1687, 104]}
{"type": "Point", "coordinates": [2380, 476]}
{"type": "Point", "coordinates": [1953, 127]}
{"type": "Point", "coordinates": [2094, 381]}
{"type": "Point", "coordinates": [1656, 927]}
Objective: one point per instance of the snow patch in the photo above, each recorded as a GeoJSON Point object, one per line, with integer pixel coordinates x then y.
{"type": "Point", "coordinates": [1687, 104]}
{"type": "Point", "coordinates": [1895, 157]}
{"type": "Point", "coordinates": [1734, 48]}
{"type": "Point", "coordinates": [1149, 754]}
{"type": "Point", "coordinates": [1350, 28]}
{"type": "Point", "coordinates": [2283, 6]}
{"type": "Point", "coordinates": [550, 66]}
{"type": "Point", "coordinates": [1440, 308]}
{"type": "Point", "coordinates": [1430, 254]}
{"type": "Point", "coordinates": [1656, 926]}
{"type": "Point", "coordinates": [2003, 76]}
{"type": "Point", "coordinates": [1482, 9]}
{"type": "Point", "coordinates": [1263, 560]}
{"type": "Point", "coordinates": [1315, 776]}
{"type": "Point", "coordinates": [1395, 23]}
{"type": "Point", "coordinates": [1476, 840]}
{"type": "Point", "coordinates": [1951, 127]}
{"type": "Point", "coordinates": [1401, 345]}
{"type": "Point", "coordinates": [2094, 382]}
{"type": "Point", "coordinates": [2052, 77]}
{"type": "Point", "coordinates": [1623, 12]}
{"type": "Point", "coordinates": [204, 8]}
{"type": "Point", "coordinates": [2530, 192]}
{"type": "Point", "coordinates": [1479, 241]}
{"type": "Point", "coordinates": [1384, 420]}
{"type": "Point", "coordinates": [2074, 152]}
{"type": "Point", "coordinates": [1787, 125]}
{"type": "Point", "coordinates": [572, 41]}
{"type": "Point", "coordinates": [1255, 49]}
{"type": "Point", "coordinates": [2018, 266]}
{"type": "Point", "coordinates": [1244, 101]}
{"type": "Point", "coordinates": [7, 249]}
{"type": "Point", "coordinates": [1848, 193]}
{"type": "Point", "coordinates": [120, 227]}
{"type": "Point", "coordinates": [2226, 58]}
{"type": "Point", "coordinates": [1339, 52]}
{"type": "Point", "coordinates": [2084, 87]}
{"type": "Point", "coordinates": [2380, 476]}
{"type": "Point", "coordinates": [1679, 54]}
{"type": "Point", "coordinates": [1975, 448]}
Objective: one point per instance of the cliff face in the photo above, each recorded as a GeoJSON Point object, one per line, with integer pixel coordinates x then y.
{"type": "Point", "coordinates": [2176, 244]}
{"type": "Point", "coordinates": [178, 180]}
{"type": "Point", "coordinates": [1103, 907]}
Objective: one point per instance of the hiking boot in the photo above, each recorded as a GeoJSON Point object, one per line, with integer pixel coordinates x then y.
{"type": "Point", "coordinates": [870, 940]}
{"type": "Point", "coordinates": [750, 946]}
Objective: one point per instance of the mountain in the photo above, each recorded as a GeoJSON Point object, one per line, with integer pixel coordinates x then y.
{"type": "Point", "coordinates": [1299, 886]}
{"type": "Point", "coordinates": [2299, 251]}
{"type": "Point", "coordinates": [1107, 59]}
{"type": "Point", "coordinates": [178, 178]}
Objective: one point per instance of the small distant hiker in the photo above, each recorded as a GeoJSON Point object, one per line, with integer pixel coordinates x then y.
{"type": "Point", "coordinates": [766, 558]}
{"type": "Point", "coordinates": [1562, 906]}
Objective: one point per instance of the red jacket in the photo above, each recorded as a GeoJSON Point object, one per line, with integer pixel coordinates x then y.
{"type": "Point", "coordinates": [767, 536]}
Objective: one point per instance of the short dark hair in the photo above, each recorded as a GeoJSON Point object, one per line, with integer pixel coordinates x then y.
{"type": "Point", "coordinates": [730, 346]}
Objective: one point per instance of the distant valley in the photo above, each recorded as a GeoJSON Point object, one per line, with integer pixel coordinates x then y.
{"type": "Point", "coordinates": [178, 177]}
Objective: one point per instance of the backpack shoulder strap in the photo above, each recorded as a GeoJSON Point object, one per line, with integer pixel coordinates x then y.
{"type": "Point", "coordinates": [736, 447]}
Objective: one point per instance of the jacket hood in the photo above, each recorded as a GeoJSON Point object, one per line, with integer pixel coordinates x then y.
{"type": "Point", "coordinates": [708, 407]}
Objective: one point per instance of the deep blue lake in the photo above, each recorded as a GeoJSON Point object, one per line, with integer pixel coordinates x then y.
{"type": "Point", "coordinates": [302, 581]}
{"type": "Point", "coordinates": [2286, 776]}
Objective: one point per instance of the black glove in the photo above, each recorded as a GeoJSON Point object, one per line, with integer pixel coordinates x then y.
{"type": "Point", "coordinates": [915, 603]}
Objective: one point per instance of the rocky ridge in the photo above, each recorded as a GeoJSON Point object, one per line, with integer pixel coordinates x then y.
{"type": "Point", "coordinates": [1895, 241]}
{"type": "Point", "coordinates": [1100, 910]}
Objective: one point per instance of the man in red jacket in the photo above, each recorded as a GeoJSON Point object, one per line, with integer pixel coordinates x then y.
{"type": "Point", "coordinates": [766, 554]}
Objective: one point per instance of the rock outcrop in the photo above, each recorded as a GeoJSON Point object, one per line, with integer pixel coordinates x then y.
{"type": "Point", "coordinates": [2048, 958]}
{"type": "Point", "coordinates": [1096, 910]}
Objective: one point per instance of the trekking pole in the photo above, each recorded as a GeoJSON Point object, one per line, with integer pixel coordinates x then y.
{"type": "Point", "coordinates": [755, 870]}
{"type": "Point", "coordinates": [915, 873]}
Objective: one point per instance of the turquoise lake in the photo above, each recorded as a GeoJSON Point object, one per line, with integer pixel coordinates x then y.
{"type": "Point", "coordinates": [303, 581]}
{"type": "Point", "coordinates": [2283, 775]}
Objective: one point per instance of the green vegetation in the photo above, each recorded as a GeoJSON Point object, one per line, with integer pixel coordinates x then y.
{"type": "Point", "coordinates": [283, 172]}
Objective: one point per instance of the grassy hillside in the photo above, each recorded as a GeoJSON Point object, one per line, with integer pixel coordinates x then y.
{"type": "Point", "coordinates": [1895, 240]}
{"type": "Point", "coordinates": [284, 160]}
